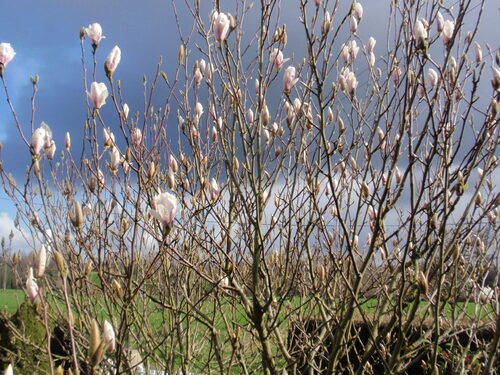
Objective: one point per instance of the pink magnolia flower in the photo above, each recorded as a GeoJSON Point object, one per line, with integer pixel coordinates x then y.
{"type": "Point", "coordinates": [221, 27]}
{"type": "Point", "coordinates": [109, 138]}
{"type": "Point", "coordinates": [439, 22]}
{"type": "Point", "coordinates": [198, 76]}
{"type": "Point", "coordinates": [38, 140]}
{"type": "Point", "coordinates": [51, 151]}
{"type": "Point", "coordinates": [199, 109]}
{"type": "Point", "coordinates": [109, 337]}
{"type": "Point", "coordinates": [164, 207]}
{"type": "Point", "coordinates": [289, 79]}
{"type": "Point", "coordinates": [327, 23]}
{"type": "Point", "coordinates": [250, 116]}
{"type": "Point", "coordinates": [31, 287]}
{"type": "Point", "coordinates": [432, 77]}
{"type": "Point", "coordinates": [447, 30]}
{"type": "Point", "coordinates": [114, 159]}
{"type": "Point", "coordinates": [277, 58]}
{"type": "Point", "coordinates": [420, 33]}
{"type": "Point", "coordinates": [214, 189]}
{"type": "Point", "coordinates": [353, 49]}
{"type": "Point", "coordinates": [125, 110]}
{"type": "Point", "coordinates": [351, 82]}
{"type": "Point", "coordinates": [203, 65]}
{"type": "Point", "coordinates": [7, 53]}
{"type": "Point", "coordinates": [371, 59]}
{"type": "Point", "coordinates": [136, 135]}
{"type": "Point", "coordinates": [98, 94]}
{"type": "Point", "coordinates": [317, 2]}
{"type": "Point", "coordinates": [396, 74]}
{"type": "Point", "coordinates": [94, 32]}
{"type": "Point", "coordinates": [42, 261]}
{"type": "Point", "coordinates": [112, 61]}
{"type": "Point", "coordinates": [353, 25]}
{"type": "Point", "coordinates": [345, 53]}
{"type": "Point", "coordinates": [371, 44]}
{"type": "Point", "coordinates": [357, 11]}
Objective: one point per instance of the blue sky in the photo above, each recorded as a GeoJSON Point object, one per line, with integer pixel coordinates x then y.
{"type": "Point", "coordinates": [45, 35]}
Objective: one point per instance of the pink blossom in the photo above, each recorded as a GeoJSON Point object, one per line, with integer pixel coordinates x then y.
{"type": "Point", "coordinates": [42, 261]}
{"type": "Point", "coordinates": [199, 109]}
{"type": "Point", "coordinates": [447, 30]}
{"type": "Point", "coordinates": [136, 135]}
{"type": "Point", "coordinates": [345, 53]}
{"type": "Point", "coordinates": [125, 110]}
{"type": "Point", "coordinates": [439, 22]}
{"type": "Point", "coordinates": [31, 287]}
{"type": "Point", "coordinates": [289, 79]}
{"type": "Point", "coordinates": [420, 32]}
{"type": "Point", "coordinates": [164, 208]}
{"type": "Point", "coordinates": [51, 151]}
{"type": "Point", "coordinates": [353, 25]}
{"type": "Point", "coordinates": [432, 77]}
{"type": "Point", "coordinates": [198, 76]}
{"type": "Point", "coordinates": [109, 337]}
{"type": "Point", "coordinates": [109, 138]}
{"type": "Point", "coordinates": [221, 27]}
{"type": "Point", "coordinates": [352, 82]}
{"type": "Point", "coordinates": [94, 32]}
{"type": "Point", "coordinates": [38, 140]}
{"type": "Point", "coordinates": [250, 116]}
{"type": "Point", "coordinates": [98, 94]}
{"type": "Point", "coordinates": [357, 11]}
{"type": "Point", "coordinates": [327, 23]}
{"type": "Point", "coordinates": [112, 61]}
{"type": "Point", "coordinates": [277, 58]}
{"type": "Point", "coordinates": [371, 44]}
{"type": "Point", "coordinates": [7, 53]}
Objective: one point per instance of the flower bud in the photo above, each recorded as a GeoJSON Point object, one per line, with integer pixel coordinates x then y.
{"type": "Point", "coordinates": [95, 338]}
{"type": "Point", "coordinates": [289, 79]}
{"type": "Point", "coordinates": [327, 23]}
{"type": "Point", "coordinates": [112, 61]}
{"type": "Point", "coordinates": [76, 216]}
{"type": "Point", "coordinates": [8, 370]}
{"type": "Point", "coordinates": [52, 150]}
{"type": "Point", "coordinates": [432, 77]}
{"type": "Point", "coordinates": [109, 337]}
{"type": "Point", "coordinates": [371, 44]}
{"type": "Point", "coordinates": [171, 180]}
{"type": "Point", "coordinates": [7, 53]}
{"type": "Point", "coordinates": [353, 25]}
{"type": "Point", "coordinates": [221, 26]}
{"type": "Point", "coordinates": [94, 32]}
{"type": "Point", "coordinates": [357, 11]}
{"type": "Point", "coordinates": [479, 53]}
{"type": "Point", "coordinates": [42, 261]}
{"type": "Point", "coordinates": [151, 171]}
{"type": "Point", "coordinates": [180, 54]}
{"type": "Point", "coordinates": [98, 94]}
{"type": "Point", "coordinates": [67, 142]}
{"type": "Point", "coordinates": [173, 164]}
{"type": "Point", "coordinates": [59, 262]}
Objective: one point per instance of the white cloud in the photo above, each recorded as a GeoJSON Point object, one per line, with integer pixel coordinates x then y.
{"type": "Point", "coordinates": [6, 228]}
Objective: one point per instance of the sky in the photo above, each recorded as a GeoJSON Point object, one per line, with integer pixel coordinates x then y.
{"type": "Point", "coordinates": [45, 36]}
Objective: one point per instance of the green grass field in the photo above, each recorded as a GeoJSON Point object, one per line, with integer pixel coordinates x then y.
{"type": "Point", "coordinates": [10, 299]}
